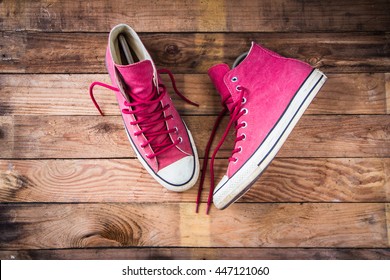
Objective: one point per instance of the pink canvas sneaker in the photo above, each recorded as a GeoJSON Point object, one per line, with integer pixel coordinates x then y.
{"type": "Point", "coordinates": [266, 94]}
{"type": "Point", "coordinates": [157, 133]}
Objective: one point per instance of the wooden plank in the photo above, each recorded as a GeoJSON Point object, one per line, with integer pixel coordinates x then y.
{"type": "Point", "coordinates": [6, 136]}
{"type": "Point", "coordinates": [388, 223]}
{"type": "Point", "coordinates": [200, 254]}
{"type": "Point", "coordinates": [190, 15]}
{"type": "Point", "coordinates": [360, 93]}
{"type": "Point", "coordinates": [125, 180]}
{"type": "Point", "coordinates": [75, 136]}
{"type": "Point", "coordinates": [34, 52]}
{"type": "Point", "coordinates": [104, 137]}
{"type": "Point", "coordinates": [387, 75]}
{"type": "Point", "coordinates": [386, 166]}
{"type": "Point", "coordinates": [355, 137]}
{"type": "Point", "coordinates": [322, 180]}
{"type": "Point", "coordinates": [42, 226]}
{"type": "Point", "coordinates": [30, 94]}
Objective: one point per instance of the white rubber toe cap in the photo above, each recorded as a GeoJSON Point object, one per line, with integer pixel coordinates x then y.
{"type": "Point", "coordinates": [180, 175]}
{"type": "Point", "coordinates": [220, 196]}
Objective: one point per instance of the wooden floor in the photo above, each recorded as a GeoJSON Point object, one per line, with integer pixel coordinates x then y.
{"type": "Point", "coordinates": [71, 188]}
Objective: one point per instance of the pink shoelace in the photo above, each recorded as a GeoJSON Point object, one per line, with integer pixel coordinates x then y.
{"type": "Point", "coordinates": [144, 118]}
{"type": "Point", "coordinates": [235, 114]}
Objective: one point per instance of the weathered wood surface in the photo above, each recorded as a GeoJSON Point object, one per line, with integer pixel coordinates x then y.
{"type": "Point", "coordinates": [104, 137]}
{"type": "Point", "coordinates": [387, 77]}
{"type": "Point", "coordinates": [124, 180]}
{"type": "Point", "coordinates": [35, 52]}
{"type": "Point", "coordinates": [68, 177]}
{"type": "Point", "coordinates": [43, 226]}
{"type": "Point", "coordinates": [198, 16]}
{"type": "Point", "coordinates": [67, 94]}
{"type": "Point", "coordinates": [200, 254]}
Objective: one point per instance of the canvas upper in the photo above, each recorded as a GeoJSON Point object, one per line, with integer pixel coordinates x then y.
{"type": "Point", "coordinates": [265, 94]}
{"type": "Point", "coordinates": [269, 82]}
{"type": "Point", "coordinates": [155, 129]}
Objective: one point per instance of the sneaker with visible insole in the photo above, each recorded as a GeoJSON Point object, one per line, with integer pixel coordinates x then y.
{"type": "Point", "coordinates": [158, 135]}
{"type": "Point", "coordinates": [266, 94]}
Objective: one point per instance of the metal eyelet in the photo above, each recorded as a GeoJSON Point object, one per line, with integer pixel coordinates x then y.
{"type": "Point", "coordinates": [243, 100]}
{"type": "Point", "coordinates": [177, 130]}
{"type": "Point", "coordinates": [239, 150]}
{"type": "Point", "coordinates": [245, 111]}
{"type": "Point", "coordinates": [180, 139]}
{"type": "Point", "coordinates": [235, 161]}
{"type": "Point", "coordinates": [238, 88]}
{"type": "Point", "coordinates": [243, 134]}
{"type": "Point", "coordinates": [245, 124]}
{"type": "Point", "coordinates": [234, 79]}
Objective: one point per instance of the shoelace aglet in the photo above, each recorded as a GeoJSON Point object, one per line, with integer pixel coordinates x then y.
{"type": "Point", "coordinates": [191, 102]}
{"type": "Point", "coordinates": [210, 198]}
{"type": "Point", "coordinates": [208, 208]}
{"type": "Point", "coordinates": [94, 101]}
{"type": "Point", "coordinates": [202, 177]}
{"type": "Point", "coordinates": [100, 111]}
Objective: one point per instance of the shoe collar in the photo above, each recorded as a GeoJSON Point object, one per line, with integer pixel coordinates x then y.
{"type": "Point", "coordinates": [138, 77]}
{"type": "Point", "coordinates": [222, 75]}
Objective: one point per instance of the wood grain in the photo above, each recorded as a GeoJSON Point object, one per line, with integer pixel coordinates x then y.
{"type": "Point", "coordinates": [42, 226]}
{"type": "Point", "coordinates": [6, 136]}
{"type": "Point", "coordinates": [386, 165]}
{"type": "Point", "coordinates": [34, 52]}
{"type": "Point", "coordinates": [199, 16]}
{"type": "Point", "coordinates": [200, 254]}
{"type": "Point", "coordinates": [63, 94]}
{"type": "Point", "coordinates": [388, 222]}
{"type": "Point", "coordinates": [71, 187]}
{"type": "Point", "coordinates": [387, 77]}
{"type": "Point", "coordinates": [104, 137]}
{"type": "Point", "coordinates": [125, 180]}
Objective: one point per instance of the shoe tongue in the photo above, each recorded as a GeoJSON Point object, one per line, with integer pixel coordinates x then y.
{"type": "Point", "coordinates": [138, 78]}
{"type": "Point", "coordinates": [216, 74]}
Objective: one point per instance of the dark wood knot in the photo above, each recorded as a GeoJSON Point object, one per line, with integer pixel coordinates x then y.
{"type": "Point", "coordinates": [172, 49]}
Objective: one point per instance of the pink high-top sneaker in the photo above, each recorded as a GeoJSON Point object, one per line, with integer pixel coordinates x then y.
{"type": "Point", "coordinates": [266, 94]}
{"type": "Point", "coordinates": [157, 133]}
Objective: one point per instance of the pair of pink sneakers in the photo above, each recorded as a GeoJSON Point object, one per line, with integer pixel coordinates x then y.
{"type": "Point", "coordinates": [265, 93]}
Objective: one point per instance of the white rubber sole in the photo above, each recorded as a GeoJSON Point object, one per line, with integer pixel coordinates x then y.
{"type": "Point", "coordinates": [231, 189]}
{"type": "Point", "coordinates": [171, 187]}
